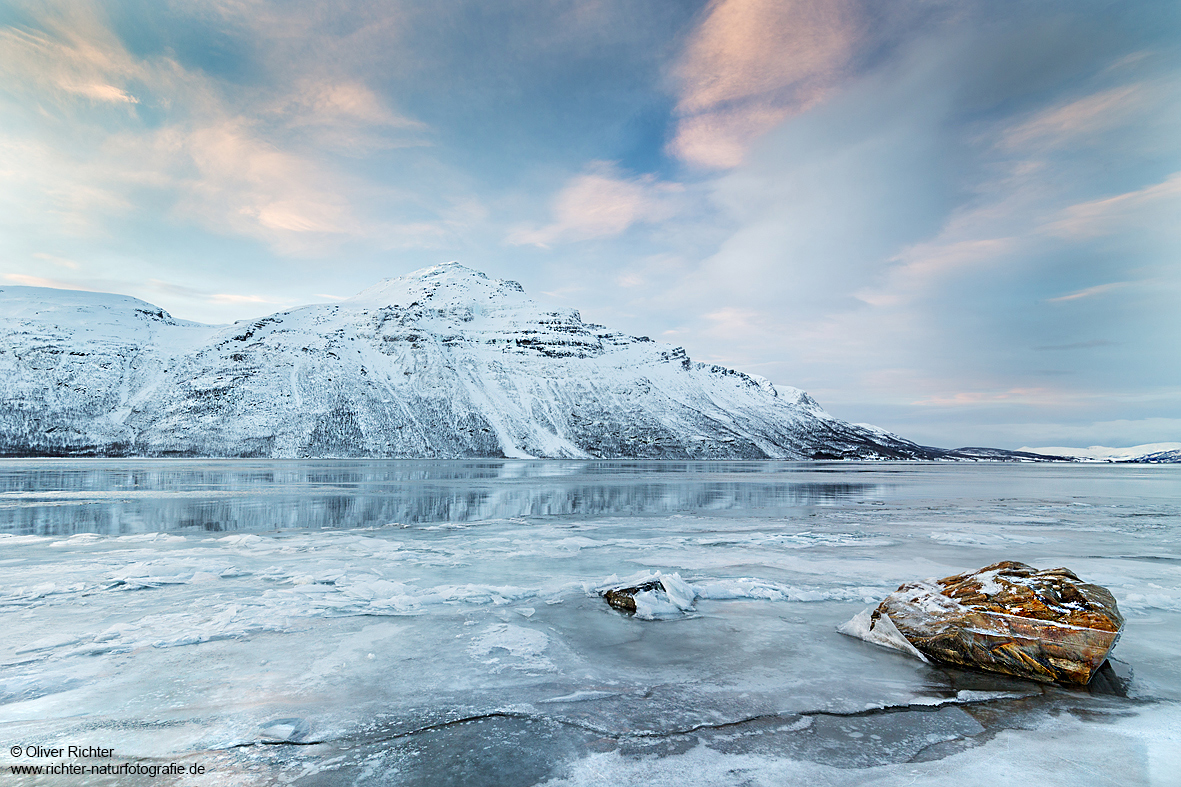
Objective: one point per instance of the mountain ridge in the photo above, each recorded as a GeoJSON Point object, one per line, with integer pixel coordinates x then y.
{"type": "Point", "coordinates": [1145, 454]}
{"type": "Point", "coordinates": [441, 363]}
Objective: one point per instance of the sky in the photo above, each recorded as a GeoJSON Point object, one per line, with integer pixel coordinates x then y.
{"type": "Point", "coordinates": [959, 220]}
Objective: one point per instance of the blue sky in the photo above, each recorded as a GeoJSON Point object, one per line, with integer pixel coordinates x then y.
{"type": "Point", "coordinates": [958, 220]}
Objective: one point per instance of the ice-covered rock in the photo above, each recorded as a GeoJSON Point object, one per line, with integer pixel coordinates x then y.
{"type": "Point", "coordinates": [1008, 617]}
{"type": "Point", "coordinates": [652, 598]}
{"type": "Point", "coordinates": [442, 363]}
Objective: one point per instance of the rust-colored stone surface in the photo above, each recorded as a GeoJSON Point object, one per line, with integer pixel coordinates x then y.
{"type": "Point", "coordinates": [1011, 618]}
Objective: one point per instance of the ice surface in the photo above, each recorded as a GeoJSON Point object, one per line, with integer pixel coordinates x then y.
{"type": "Point", "coordinates": [1065, 752]}
{"type": "Point", "coordinates": [470, 645]}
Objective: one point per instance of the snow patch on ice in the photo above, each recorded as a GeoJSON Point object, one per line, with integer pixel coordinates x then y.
{"type": "Point", "coordinates": [985, 539]}
{"type": "Point", "coordinates": [525, 645]}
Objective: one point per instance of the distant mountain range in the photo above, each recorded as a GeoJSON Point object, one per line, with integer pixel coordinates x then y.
{"type": "Point", "coordinates": [442, 363]}
{"type": "Point", "coordinates": [1147, 454]}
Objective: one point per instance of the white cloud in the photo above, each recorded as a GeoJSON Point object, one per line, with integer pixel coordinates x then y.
{"type": "Point", "coordinates": [1087, 292]}
{"type": "Point", "coordinates": [59, 261]}
{"type": "Point", "coordinates": [918, 268]}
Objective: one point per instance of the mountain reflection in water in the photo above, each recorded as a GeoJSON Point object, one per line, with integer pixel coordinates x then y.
{"type": "Point", "coordinates": [112, 497]}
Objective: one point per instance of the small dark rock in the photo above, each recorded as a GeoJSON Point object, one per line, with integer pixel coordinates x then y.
{"type": "Point", "coordinates": [624, 598]}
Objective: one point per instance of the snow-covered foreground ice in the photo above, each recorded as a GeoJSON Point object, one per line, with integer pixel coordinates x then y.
{"type": "Point", "coordinates": [450, 632]}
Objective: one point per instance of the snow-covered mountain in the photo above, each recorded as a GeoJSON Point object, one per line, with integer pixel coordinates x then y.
{"type": "Point", "coordinates": [444, 362]}
{"type": "Point", "coordinates": [1149, 453]}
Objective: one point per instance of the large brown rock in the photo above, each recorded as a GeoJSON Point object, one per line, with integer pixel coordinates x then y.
{"type": "Point", "coordinates": [1011, 618]}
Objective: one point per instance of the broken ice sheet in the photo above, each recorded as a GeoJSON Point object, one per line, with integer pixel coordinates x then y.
{"type": "Point", "coordinates": [402, 644]}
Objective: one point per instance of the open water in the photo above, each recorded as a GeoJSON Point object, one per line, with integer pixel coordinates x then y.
{"type": "Point", "coordinates": [438, 623]}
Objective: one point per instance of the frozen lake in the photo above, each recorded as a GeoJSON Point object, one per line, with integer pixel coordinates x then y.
{"type": "Point", "coordinates": [436, 623]}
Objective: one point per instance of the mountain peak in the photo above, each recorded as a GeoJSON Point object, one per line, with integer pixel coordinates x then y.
{"type": "Point", "coordinates": [447, 283]}
{"type": "Point", "coordinates": [444, 362]}
{"type": "Point", "coordinates": [451, 268]}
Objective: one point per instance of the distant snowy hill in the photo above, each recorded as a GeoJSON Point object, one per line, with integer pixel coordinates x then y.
{"type": "Point", "coordinates": [444, 362]}
{"type": "Point", "coordinates": [1149, 453]}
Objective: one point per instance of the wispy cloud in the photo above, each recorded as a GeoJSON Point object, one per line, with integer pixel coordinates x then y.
{"type": "Point", "coordinates": [917, 269]}
{"type": "Point", "coordinates": [752, 63]}
{"type": "Point", "coordinates": [73, 55]}
{"type": "Point", "coordinates": [237, 162]}
{"type": "Point", "coordinates": [601, 202]}
{"type": "Point", "coordinates": [194, 293]}
{"type": "Point", "coordinates": [1096, 112]}
{"type": "Point", "coordinates": [1156, 206]}
{"type": "Point", "coordinates": [59, 261]}
{"type": "Point", "coordinates": [1040, 396]}
{"type": "Point", "coordinates": [41, 281]}
{"type": "Point", "coordinates": [734, 323]}
{"type": "Point", "coordinates": [1087, 345]}
{"type": "Point", "coordinates": [1088, 292]}
{"type": "Point", "coordinates": [346, 116]}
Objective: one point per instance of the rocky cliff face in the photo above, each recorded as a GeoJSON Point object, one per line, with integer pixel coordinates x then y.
{"type": "Point", "coordinates": [442, 363]}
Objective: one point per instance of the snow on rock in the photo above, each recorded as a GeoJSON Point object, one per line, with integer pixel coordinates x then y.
{"type": "Point", "coordinates": [442, 363]}
{"type": "Point", "coordinates": [880, 632]}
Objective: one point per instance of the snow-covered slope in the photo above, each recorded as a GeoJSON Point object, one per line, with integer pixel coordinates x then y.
{"type": "Point", "coordinates": [444, 362]}
{"type": "Point", "coordinates": [1149, 453]}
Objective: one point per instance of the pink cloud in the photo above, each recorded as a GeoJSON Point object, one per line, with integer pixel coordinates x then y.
{"type": "Point", "coordinates": [1153, 206]}
{"type": "Point", "coordinates": [38, 281]}
{"type": "Point", "coordinates": [1039, 396]}
{"type": "Point", "coordinates": [601, 202]}
{"type": "Point", "coordinates": [752, 63]}
{"type": "Point", "coordinates": [1093, 113]}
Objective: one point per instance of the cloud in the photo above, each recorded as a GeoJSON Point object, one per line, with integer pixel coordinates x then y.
{"type": "Point", "coordinates": [901, 247]}
{"type": "Point", "coordinates": [60, 261]}
{"type": "Point", "coordinates": [108, 93]}
{"type": "Point", "coordinates": [1096, 112]}
{"type": "Point", "coordinates": [1118, 432]}
{"type": "Point", "coordinates": [73, 55]}
{"type": "Point", "coordinates": [1037, 396]}
{"type": "Point", "coordinates": [601, 202]}
{"type": "Point", "coordinates": [1087, 292]}
{"type": "Point", "coordinates": [250, 161]}
{"type": "Point", "coordinates": [1087, 345]}
{"type": "Point", "coordinates": [39, 281]}
{"type": "Point", "coordinates": [735, 323]}
{"type": "Point", "coordinates": [345, 115]}
{"type": "Point", "coordinates": [222, 297]}
{"type": "Point", "coordinates": [752, 63]}
{"type": "Point", "coordinates": [1155, 207]}
{"type": "Point", "coordinates": [193, 293]}
{"type": "Point", "coordinates": [918, 268]}
{"type": "Point", "coordinates": [69, 194]}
